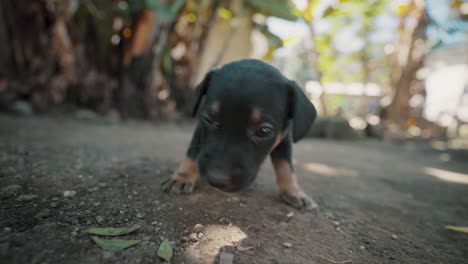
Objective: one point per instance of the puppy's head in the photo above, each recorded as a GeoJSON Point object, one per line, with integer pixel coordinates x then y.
{"type": "Point", "coordinates": [248, 106]}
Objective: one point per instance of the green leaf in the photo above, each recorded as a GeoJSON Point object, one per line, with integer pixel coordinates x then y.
{"type": "Point", "coordinates": [114, 244]}
{"type": "Point", "coordinates": [461, 229]}
{"type": "Point", "coordinates": [112, 231]}
{"type": "Point", "coordinates": [284, 9]}
{"type": "Point", "coordinates": [165, 250]}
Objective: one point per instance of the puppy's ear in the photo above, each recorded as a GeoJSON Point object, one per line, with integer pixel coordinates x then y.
{"type": "Point", "coordinates": [200, 92]}
{"type": "Point", "coordinates": [301, 111]}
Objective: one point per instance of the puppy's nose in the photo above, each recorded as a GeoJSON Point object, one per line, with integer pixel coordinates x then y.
{"type": "Point", "coordinates": [217, 179]}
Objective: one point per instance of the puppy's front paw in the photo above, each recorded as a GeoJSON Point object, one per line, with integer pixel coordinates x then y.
{"type": "Point", "coordinates": [296, 198]}
{"type": "Point", "coordinates": [178, 185]}
{"type": "Point", "coordinates": [184, 178]}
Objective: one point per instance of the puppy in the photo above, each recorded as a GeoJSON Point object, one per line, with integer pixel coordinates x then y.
{"type": "Point", "coordinates": [250, 111]}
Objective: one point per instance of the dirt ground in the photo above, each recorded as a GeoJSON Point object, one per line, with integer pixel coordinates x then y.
{"type": "Point", "coordinates": [379, 203]}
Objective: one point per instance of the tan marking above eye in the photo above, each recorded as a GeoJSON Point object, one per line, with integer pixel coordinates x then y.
{"type": "Point", "coordinates": [215, 107]}
{"type": "Point", "coordinates": [256, 115]}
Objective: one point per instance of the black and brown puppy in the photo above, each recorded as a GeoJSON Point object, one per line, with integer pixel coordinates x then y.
{"type": "Point", "coordinates": [250, 110]}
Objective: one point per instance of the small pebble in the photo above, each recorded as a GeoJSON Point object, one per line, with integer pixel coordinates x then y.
{"type": "Point", "coordinates": [200, 235]}
{"type": "Point", "coordinates": [154, 223]}
{"type": "Point", "coordinates": [362, 247]}
{"type": "Point", "coordinates": [395, 237]}
{"type": "Point", "coordinates": [26, 197]}
{"type": "Point", "coordinates": [140, 215]}
{"type": "Point", "coordinates": [193, 237]}
{"type": "Point", "coordinates": [197, 228]}
{"type": "Point", "coordinates": [336, 223]}
{"type": "Point", "coordinates": [11, 189]}
{"type": "Point", "coordinates": [287, 245]}
{"type": "Point", "coordinates": [53, 204]}
{"type": "Point", "coordinates": [67, 194]}
{"type": "Point", "coordinates": [290, 214]}
{"type": "Point", "coordinates": [99, 219]}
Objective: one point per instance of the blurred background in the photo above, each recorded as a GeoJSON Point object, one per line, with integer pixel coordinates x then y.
{"type": "Point", "coordinates": [377, 68]}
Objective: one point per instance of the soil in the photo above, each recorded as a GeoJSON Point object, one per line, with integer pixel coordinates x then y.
{"type": "Point", "coordinates": [379, 203]}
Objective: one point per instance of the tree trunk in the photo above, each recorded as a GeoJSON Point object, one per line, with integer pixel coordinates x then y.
{"type": "Point", "coordinates": [408, 63]}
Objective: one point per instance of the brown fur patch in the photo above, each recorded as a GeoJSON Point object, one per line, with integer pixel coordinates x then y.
{"type": "Point", "coordinates": [278, 140]}
{"type": "Point", "coordinates": [215, 107]}
{"type": "Point", "coordinates": [187, 171]}
{"type": "Point", "coordinates": [285, 178]}
{"type": "Point", "coordinates": [256, 115]}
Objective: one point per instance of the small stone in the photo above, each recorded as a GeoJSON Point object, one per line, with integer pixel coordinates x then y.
{"type": "Point", "coordinates": [243, 205]}
{"type": "Point", "coordinates": [197, 228]}
{"type": "Point", "coordinates": [200, 235]}
{"type": "Point", "coordinates": [26, 197]}
{"type": "Point", "coordinates": [395, 237]}
{"type": "Point", "coordinates": [235, 199]}
{"type": "Point", "coordinates": [43, 214]}
{"type": "Point", "coordinates": [336, 223]}
{"type": "Point", "coordinates": [74, 233]}
{"type": "Point", "coordinates": [287, 245]}
{"type": "Point", "coordinates": [99, 219]}
{"type": "Point", "coordinates": [193, 237]}
{"type": "Point", "coordinates": [140, 215]}
{"type": "Point", "coordinates": [53, 204]}
{"type": "Point", "coordinates": [56, 199]}
{"type": "Point", "coordinates": [11, 189]}
{"type": "Point", "coordinates": [68, 194]}
{"type": "Point", "coordinates": [338, 229]}
{"type": "Point", "coordinates": [362, 247]}
{"type": "Point", "coordinates": [290, 214]}
{"type": "Point", "coordinates": [225, 258]}
{"type": "Point", "coordinates": [154, 223]}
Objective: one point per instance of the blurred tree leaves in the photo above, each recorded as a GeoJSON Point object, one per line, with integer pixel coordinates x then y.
{"type": "Point", "coordinates": [284, 9]}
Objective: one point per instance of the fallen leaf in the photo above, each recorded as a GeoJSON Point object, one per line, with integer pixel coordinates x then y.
{"type": "Point", "coordinates": [112, 231]}
{"type": "Point", "coordinates": [114, 244]}
{"type": "Point", "coordinates": [165, 250]}
{"type": "Point", "coordinates": [461, 229]}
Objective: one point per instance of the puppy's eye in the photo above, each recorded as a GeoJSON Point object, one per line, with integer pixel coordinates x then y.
{"type": "Point", "coordinates": [264, 131]}
{"type": "Point", "coordinates": [210, 122]}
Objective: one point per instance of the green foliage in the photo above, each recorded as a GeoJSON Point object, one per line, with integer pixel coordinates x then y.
{"type": "Point", "coordinates": [114, 244]}
{"type": "Point", "coordinates": [278, 8]}
{"type": "Point", "coordinates": [165, 250]}
{"type": "Point", "coordinates": [168, 13]}
{"type": "Point", "coordinates": [112, 231]}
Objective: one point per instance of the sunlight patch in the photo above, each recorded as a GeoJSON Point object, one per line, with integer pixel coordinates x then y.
{"type": "Point", "coordinates": [326, 170]}
{"type": "Point", "coordinates": [214, 238]}
{"type": "Point", "coordinates": [445, 175]}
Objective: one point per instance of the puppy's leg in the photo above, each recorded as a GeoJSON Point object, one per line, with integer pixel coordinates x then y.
{"type": "Point", "coordinates": [184, 179]}
{"type": "Point", "coordinates": [290, 192]}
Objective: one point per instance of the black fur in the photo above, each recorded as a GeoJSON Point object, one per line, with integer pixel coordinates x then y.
{"type": "Point", "coordinates": [229, 157]}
